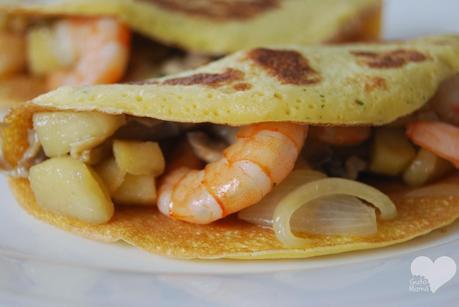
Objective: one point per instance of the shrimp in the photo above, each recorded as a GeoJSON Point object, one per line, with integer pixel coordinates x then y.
{"type": "Point", "coordinates": [99, 48]}
{"type": "Point", "coordinates": [262, 156]}
{"type": "Point", "coordinates": [440, 138]}
{"type": "Point", "coordinates": [340, 136]}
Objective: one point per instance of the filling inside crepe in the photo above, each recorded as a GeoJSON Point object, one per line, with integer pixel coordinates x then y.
{"type": "Point", "coordinates": [269, 152]}
{"type": "Point", "coordinates": [290, 177]}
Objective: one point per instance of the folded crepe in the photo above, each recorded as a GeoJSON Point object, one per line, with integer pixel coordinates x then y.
{"type": "Point", "coordinates": [336, 86]}
{"type": "Point", "coordinates": [220, 27]}
{"type": "Point", "coordinates": [200, 29]}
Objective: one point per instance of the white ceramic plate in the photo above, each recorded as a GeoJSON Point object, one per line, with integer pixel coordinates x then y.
{"type": "Point", "coordinates": [41, 265]}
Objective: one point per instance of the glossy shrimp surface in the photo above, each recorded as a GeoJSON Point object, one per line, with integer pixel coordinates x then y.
{"type": "Point", "coordinates": [440, 138]}
{"type": "Point", "coordinates": [262, 156]}
{"type": "Point", "coordinates": [99, 48]}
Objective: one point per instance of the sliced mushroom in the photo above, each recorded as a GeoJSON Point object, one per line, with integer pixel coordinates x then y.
{"type": "Point", "coordinates": [142, 128]}
{"type": "Point", "coordinates": [33, 155]}
{"type": "Point", "coordinates": [227, 133]}
{"type": "Point", "coordinates": [206, 148]}
{"type": "Point", "coordinates": [354, 166]}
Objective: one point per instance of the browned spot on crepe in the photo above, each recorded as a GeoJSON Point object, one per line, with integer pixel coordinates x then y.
{"type": "Point", "coordinates": [213, 80]}
{"type": "Point", "coordinates": [289, 67]}
{"type": "Point", "coordinates": [375, 83]}
{"type": "Point", "coordinates": [219, 10]}
{"type": "Point", "coordinates": [242, 86]}
{"type": "Point", "coordinates": [390, 59]}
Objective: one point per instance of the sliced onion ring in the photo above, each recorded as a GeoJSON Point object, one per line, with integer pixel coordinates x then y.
{"type": "Point", "coordinates": [321, 188]}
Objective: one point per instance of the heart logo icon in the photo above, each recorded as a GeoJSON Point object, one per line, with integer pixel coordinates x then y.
{"type": "Point", "coordinates": [437, 272]}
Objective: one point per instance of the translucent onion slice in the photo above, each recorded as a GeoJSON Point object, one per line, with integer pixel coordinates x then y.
{"type": "Point", "coordinates": [331, 215]}
{"type": "Point", "coordinates": [262, 213]}
{"type": "Point", "coordinates": [305, 194]}
{"type": "Point", "coordinates": [336, 215]}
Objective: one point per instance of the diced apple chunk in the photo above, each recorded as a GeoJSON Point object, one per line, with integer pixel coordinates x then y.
{"type": "Point", "coordinates": [111, 174]}
{"type": "Point", "coordinates": [426, 167]}
{"type": "Point", "coordinates": [95, 155]}
{"type": "Point", "coordinates": [391, 153]}
{"type": "Point", "coordinates": [70, 187]}
{"type": "Point", "coordinates": [139, 158]}
{"type": "Point", "coordinates": [136, 190]}
{"type": "Point", "coordinates": [64, 132]}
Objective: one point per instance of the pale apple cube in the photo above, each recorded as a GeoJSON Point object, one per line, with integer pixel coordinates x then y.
{"type": "Point", "coordinates": [95, 155]}
{"type": "Point", "coordinates": [139, 158]}
{"type": "Point", "coordinates": [111, 174]}
{"type": "Point", "coordinates": [63, 132]}
{"type": "Point", "coordinates": [136, 190]}
{"type": "Point", "coordinates": [71, 188]}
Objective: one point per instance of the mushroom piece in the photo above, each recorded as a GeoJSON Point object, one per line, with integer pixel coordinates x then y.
{"type": "Point", "coordinates": [205, 147]}
{"type": "Point", "coordinates": [227, 133]}
{"type": "Point", "coordinates": [33, 155]}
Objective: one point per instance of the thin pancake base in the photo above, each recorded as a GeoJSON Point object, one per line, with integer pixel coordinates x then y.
{"type": "Point", "coordinates": [231, 238]}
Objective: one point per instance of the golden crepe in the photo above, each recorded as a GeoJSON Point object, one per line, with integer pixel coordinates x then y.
{"type": "Point", "coordinates": [220, 27]}
{"type": "Point", "coordinates": [298, 84]}
{"type": "Point", "coordinates": [362, 84]}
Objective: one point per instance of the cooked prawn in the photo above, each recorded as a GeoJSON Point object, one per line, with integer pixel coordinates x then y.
{"type": "Point", "coordinates": [262, 156]}
{"type": "Point", "coordinates": [100, 51]}
{"type": "Point", "coordinates": [440, 138]}
{"type": "Point", "coordinates": [340, 136]}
